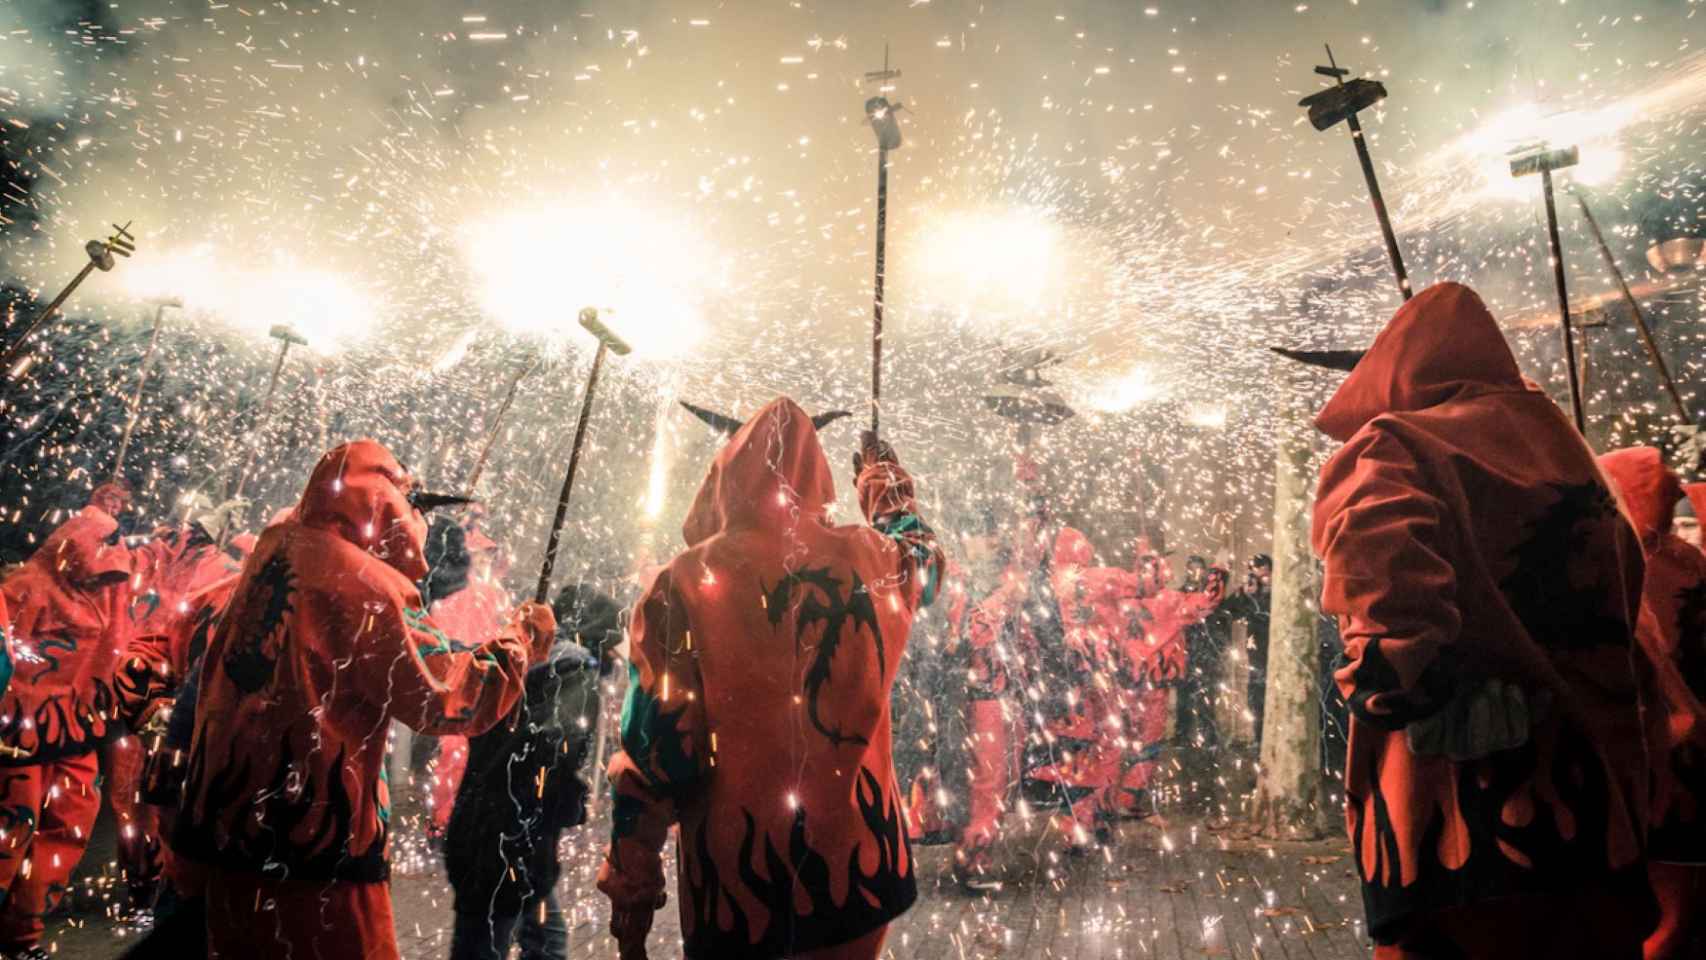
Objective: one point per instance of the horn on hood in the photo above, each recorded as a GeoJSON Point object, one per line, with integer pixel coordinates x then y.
{"type": "Point", "coordinates": [428, 502]}
{"type": "Point", "coordinates": [1345, 360]}
{"type": "Point", "coordinates": [825, 419]}
{"type": "Point", "coordinates": [716, 421]}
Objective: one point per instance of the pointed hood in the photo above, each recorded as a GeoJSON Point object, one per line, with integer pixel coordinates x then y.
{"type": "Point", "coordinates": [111, 498]}
{"type": "Point", "coordinates": [361, 493]}
{"type": "Point", "coordinates": [84, 551]}
{"type": "Point", "coordinates": [1647, 488]}
{"type": "Point", "coordinates": [1442, 345]}
{"type": "Point", "coordinates": [1072, 549]}
{"type": "Point", "coordinates": [771, 469]}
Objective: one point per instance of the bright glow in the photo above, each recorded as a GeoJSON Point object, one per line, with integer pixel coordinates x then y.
{"type": "Point", "coordinates": [658, 479]}
{"type": "Point", "coordinates": [1207, 416]}
{"type": "Point", "coordinates": [1124, 393]}
{"type": "Point", "coordinates": [325, 308]}
{"type": "Point", "coordinates": [1594, 132]}
{"type": "Point", "coordinates": [989, 258]}
{"type": "Point", "coordinates": [648, 274]}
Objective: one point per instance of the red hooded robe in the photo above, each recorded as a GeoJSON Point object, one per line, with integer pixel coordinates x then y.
{"type": "Point", "coordinates": [324, 643]}
{"type": "Point", "coordinates": [758, 712]}
{"type": "Point", "coordinates": [69, 627]}
{"type": "Point", "coordinates": [1672, 632]}
{"type": "Point", "coordinates": [1467, 537]}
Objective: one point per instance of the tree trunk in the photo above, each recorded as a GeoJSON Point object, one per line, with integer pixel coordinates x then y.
{"type": "Point", "coordinates": [1289, 794]}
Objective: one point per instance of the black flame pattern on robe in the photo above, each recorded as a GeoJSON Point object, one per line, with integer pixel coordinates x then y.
{"type": "Point", "coordinates": [802, 873]}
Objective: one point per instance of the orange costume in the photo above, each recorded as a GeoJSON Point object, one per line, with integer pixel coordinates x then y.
{"type": "Point", "coordinates": [323, 645]}
{"type": "Point", "coordinates": [1487, 590]}
{"type": "Point", "coordinates": [758, 711]}
{"type": "Point", "coordinates": [1672, 632]}
{"type": "Point", "coordinates": [169, 570]}
{"type": "Point", "coordinates": [68, 626]}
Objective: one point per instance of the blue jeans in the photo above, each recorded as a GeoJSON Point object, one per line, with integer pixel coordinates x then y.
{"type": "Point", "coordinates": [543, 933]}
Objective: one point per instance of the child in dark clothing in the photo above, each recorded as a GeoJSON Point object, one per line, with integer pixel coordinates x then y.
{"type": "Point", "coordinates": [523, 789]}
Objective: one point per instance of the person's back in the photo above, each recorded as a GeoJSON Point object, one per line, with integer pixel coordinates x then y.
{"type": "Point", "coordinates": [523, 789]}
{"type": "Point", "coordinates": [1487, 589]}
{"type": "Point", "coordinates": [758, 716]}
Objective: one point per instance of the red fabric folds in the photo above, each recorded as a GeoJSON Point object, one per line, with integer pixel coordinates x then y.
{"type": "Point", "coordinates": [758, 713]}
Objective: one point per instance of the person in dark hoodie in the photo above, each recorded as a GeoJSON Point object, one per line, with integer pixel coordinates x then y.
{"type": "Point", "coordinates": [523, 789]}
{"type": "Point", "coordinates": [758, 709]}
{"type": "Point", "coordinates": [1487, 590]}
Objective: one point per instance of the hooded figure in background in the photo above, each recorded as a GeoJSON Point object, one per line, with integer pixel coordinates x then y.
{"type": "Point", "coordinates": [1686, 523]}
{"type": "Point", "coordinates": [172, 568]}
{"type": "Point", "coordinates": [1082, 736]}
{"type": "Point", "coordinates": [69, 627]}
{"type": "Point", "coordinates": [525, 790]}
{"type": "Point", "coordinates": [1487, 590]}
{"type": "Point", "coordinates": [1672, 634]}
{"type": "Point", "coordinates": [758, 709]}
{"type": "Point", "coordinates": [324, 644]}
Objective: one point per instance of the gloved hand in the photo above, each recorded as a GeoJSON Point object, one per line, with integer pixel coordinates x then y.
{"type": "Point", "coordinates": [630, 925]}
{"type": "Point", "coordinates": [539, 625]}
{"type": "Point", "coordinates": [1482, 720]}
{"type": "Point", "coordinates": [872, 451]}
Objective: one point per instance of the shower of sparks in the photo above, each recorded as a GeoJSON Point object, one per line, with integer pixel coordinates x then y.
{"type": "Point", "coordinates": [429, 193]}
{"type": "Point", "coordinates": [649, 275]}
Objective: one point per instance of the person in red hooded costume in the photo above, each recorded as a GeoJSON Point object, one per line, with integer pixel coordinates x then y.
{"type": "Point", "coordinates": [1672, 633]}
{"type": "Point", "coordinates": [324, 644]}
{"type": "Point", "coordinates": [69, 626]}
{"type": "Point", "coordinates": [1487, 590]}
{"type": "Point", "coordinates": [174, 565]}
{"type": "Point", "coordinates": [758, 710]}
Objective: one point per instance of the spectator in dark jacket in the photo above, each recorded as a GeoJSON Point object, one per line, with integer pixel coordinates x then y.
{"type": "Point", "coordinates": [523, 789]}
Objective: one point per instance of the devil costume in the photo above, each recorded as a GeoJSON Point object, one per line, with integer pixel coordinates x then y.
{"type": "Point", "coordinates": [1487, 590]}
{"type": "Point", "coordinates": [1672, 634]}
{"type": "Point", "coordinates": [69, 625]}
{"type": "Point", "coordinates": [324, 644]}
{"type": "Point", "coordinates": [758, 710]}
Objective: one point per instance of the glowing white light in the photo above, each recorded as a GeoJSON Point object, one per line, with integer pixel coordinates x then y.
{"type": "Point", "coordinates": [1135, 387]}
{"type": "Point", "coordinates": [1489, 147]}
{"type": "Point", "coordinates": [658, 479]}
{"type": "Point", "coordinates": [325, 308]}
{"type": "Point", "coordinates": [990, 258]}
{"type": "Point", "coordinates": [1206, 416]}
{"type": "Point", "coordinates": [648, 273]}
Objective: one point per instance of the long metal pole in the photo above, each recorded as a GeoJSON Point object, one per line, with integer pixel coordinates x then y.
{"type": "Point", "coordinates": [1635, 308]}
{"type": "Point", "coordinates": [877, 303]}
{"type": "Point", "coordinates": [1563, 301]}
{"type": "Point", "coordinates": [497, 425]}
{"type": "Point", "coordinates": [1386, 230]}
{"type": "Point", "coordinates": [136, 395]}
{"type": "Point", "coordinates": [544, 588]}
{"type": "Point", "coordinates": [261, 418]}
{"type": "Point", "coordinates": [52, 308]}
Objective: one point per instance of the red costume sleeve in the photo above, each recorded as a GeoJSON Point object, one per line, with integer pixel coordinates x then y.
{"type": "Point", "coordinates": [1384, 546]}
{"type": "Point", "coordinates": [666, 750]}
{"type": "Point", "coordinates": [432, 683]}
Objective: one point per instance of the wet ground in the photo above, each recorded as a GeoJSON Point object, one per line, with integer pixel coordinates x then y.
{"type": "Point", "coordinates": [1166, 888]}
